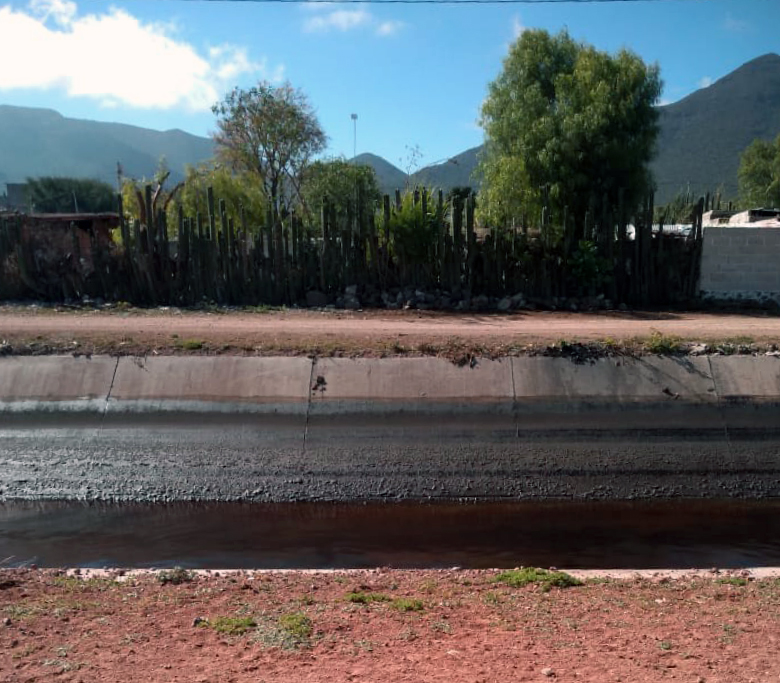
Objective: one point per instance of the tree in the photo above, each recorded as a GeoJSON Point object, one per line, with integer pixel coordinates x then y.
{"type": "Point", "coordinates": [70, 195]}
{"type": "Point", "coordinates": [569, 121]}
{"type": "Point", "coordinates": [759, 174]}
{"type": "Point", "coordinates": [272, 132]}
{"type": "Point", "coordinates": [133, 194]}
{"type": "Point", "coordinates": [342, 184]}
{"type": "Point", "coordinates": [240, 192]}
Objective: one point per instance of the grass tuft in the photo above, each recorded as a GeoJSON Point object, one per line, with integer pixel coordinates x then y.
{"type": "Point", "coordinates": [176, 576]}
{"type": "Point", "coordinates": [361, 598]}
{"type": "Point", "coordinates": [542, 577]}
{"type": "Point", "coordinates": [231, 626]}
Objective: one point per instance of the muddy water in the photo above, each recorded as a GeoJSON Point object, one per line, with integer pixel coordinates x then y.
{"type": "Point", "coordinates": [677, 534]}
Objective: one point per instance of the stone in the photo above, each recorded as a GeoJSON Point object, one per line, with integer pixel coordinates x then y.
{"type": "Point", "coordinates": [351, 303]}
{"type": "Point", "coordinates": [480, 301]}
{"type": "Point", "coordinates": [547, 671]}
{"type": "Point", "coordinates": [197, 621]}
{"type": "Point", "coordinates": [698, 349]}
{"type": "Point", "coordinates": [7, 621]}
{"type": "Point", "coordinates": [505, 304]}
{"type": "Point", "coordinates": [350, 291]}
{"type": "Point", "coordinates": [316, 299]}
{"type": "Point", "coordinates": [518, 300]}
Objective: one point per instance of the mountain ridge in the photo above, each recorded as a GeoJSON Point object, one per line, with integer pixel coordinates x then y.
{"type": "Point", "coordinates": [700, 140]}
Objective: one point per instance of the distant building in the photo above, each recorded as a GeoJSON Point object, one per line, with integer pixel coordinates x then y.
{"type": "Point", "coordinates": [15, 197]}
{"type": "Point", "coordinates": [752, 218]}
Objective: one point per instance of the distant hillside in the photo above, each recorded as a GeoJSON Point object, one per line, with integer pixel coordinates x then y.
{"type": "Point", "coordinates": [701, 137]}
{"type": "Point", "coordinates": [388, 176]}
{"type": "Point", "coordinates": [36, 142]}
{"type": "Point", "coordinates": [455, 172]}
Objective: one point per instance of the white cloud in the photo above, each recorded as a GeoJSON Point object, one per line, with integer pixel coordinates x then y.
{"type": "Point", "coordinates": [388, 28]}
{"type": "Point", "coordinates": [322, 19]}
{"type": "Point", "coordinates": [705, 82]}
{"type": "Point", "coordinates": [735, 25]}
{"type": "Point", "coordinates": [517, 27]}
{"type": "Point", "coordinates": [115, 58]}
{"type": "Point", "coordinates": [340, 20]}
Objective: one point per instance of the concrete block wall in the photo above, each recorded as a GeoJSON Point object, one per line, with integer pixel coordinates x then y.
{"type": "Point", "coordinates": [741, 263]}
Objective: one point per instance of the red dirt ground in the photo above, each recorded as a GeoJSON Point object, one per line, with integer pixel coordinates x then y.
{"type": "Point", "coordinates": [469, 628]}
{"type": "Point", "coordinates": [355, 333]}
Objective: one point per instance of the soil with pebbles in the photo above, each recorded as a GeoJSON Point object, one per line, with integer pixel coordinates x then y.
{"type": "Point", "coordinates": [466, 627]}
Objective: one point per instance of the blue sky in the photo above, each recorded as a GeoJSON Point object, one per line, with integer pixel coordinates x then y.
{"type": "Point", "coordinates": [414, 75]}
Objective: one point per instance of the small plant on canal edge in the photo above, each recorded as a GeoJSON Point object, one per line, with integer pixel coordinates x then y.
{"type": "Point", "coordinates": [733, 581]}
{"type": "Point", "coordinates": [176, 576]}
{"type": "Point", "coordinates": [230, 626]}
{"type": "Point", "coordinates": [296, 624]}
{"type": "Point", "coordinates": [408, 605]}
{"type": "Point", "coordinates": [542, 577]}
{"type": "Point", "coordinates": [361, 598]}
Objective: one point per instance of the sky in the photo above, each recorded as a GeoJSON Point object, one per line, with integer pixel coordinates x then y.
{"type": "Point", "coordinates": [415, 75]}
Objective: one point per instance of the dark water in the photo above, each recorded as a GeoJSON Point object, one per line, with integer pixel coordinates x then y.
{"type": "Point", "coordinates": [678, 534]}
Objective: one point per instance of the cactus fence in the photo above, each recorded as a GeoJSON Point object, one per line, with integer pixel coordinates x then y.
{"type": "Point", "coordinates": [211, 257]}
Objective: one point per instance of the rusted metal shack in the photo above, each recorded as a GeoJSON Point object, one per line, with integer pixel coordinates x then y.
{"type": "Point", "coordinates": [54, 256]}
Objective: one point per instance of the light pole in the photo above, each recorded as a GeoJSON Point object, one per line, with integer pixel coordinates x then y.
{"type": "Point", "coordinates": [354, 136]}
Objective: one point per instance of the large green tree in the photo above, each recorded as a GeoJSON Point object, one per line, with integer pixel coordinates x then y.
{"type": "Point", "coordinates": [70, 195]}
{"type": "Point", "coordinates": [340, 183]}
{"type": "Point", "coordinates": [759, 174]}
{"type": "Point", "coordinates": [569, 121]}
{"type": "Point", "coordinates": [271, 132]}
{"type": "Point", "coordinates": [241, 192]}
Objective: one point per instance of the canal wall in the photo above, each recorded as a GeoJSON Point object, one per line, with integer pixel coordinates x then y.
{"type": "Point", "coordinates": [280, 429]}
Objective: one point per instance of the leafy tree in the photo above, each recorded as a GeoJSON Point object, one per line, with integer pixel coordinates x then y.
{"type": "Point", "coordinates": [342, 184]}
{"type": "Point", "coordinates": [759, 174]}
{"type": "Point", "coordinates": [240, 191]}
{"type": "Point", "coordinates": [70, 195]}
{"type": "Point", "coordinates": [566, 119]}
{"type": "Point", "coordinates": [271, 132]}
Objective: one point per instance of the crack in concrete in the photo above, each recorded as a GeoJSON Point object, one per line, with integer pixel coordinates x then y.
{"type": "Point", "coordinates": [108, 395]}
{"type": "Point", "coordinates": [719, 401]}
{"type": "Point", "coordinates": [309, 392]}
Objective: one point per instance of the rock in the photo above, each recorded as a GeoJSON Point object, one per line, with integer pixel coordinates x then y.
{"type": "Point", "coordinates": [480, 301]}
{"type": "Point", "coordinates": [7, 621]}
{"type": "Point", "coordinates": [622, 307]}
{"type": "Point", "coordinates": [505, 304]}
{"type": "Point", "coordinates": [462, 305]}
{"type": "Point", "coordinates": [316, 299]}
{"type": "Point", "coordinates": [698, 349]}
{"type": "Point", "coordinates": [350, 291]}
{"type": "Point", "coordinates": [197, 621]}
{"type": "Point", "coordinates": [518, 300]}
{"type": "Point", "coordinates": [351, 303]}
{"type": "Point", "coordinates": [547, 671]}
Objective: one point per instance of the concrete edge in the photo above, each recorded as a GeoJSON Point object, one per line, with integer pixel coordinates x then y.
{"type": "Point", "coordinates": [752, 573]}
{"type": "Point", "coordinates": [343, 386]}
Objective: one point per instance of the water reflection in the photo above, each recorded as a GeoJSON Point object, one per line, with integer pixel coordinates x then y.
{"type": "Point", "coordinates": [678, 534]}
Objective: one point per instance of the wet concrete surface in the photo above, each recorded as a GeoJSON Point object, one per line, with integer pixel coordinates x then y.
{"type": "Point", "coordinates": [649, 534]}
{"type": "Point", "coordinates": [673, 451]}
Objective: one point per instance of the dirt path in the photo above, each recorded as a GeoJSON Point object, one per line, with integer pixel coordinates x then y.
{"type": "Point", "coordinates": [369, 333]}
{"type": "Point", "coordinates": [385, 626]}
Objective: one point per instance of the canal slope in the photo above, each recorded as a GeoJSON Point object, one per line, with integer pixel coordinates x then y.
{"type": "Point", "coordinates": [294, 429]}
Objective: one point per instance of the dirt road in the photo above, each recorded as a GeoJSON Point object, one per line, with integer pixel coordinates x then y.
{"type": "Point", "coordinates": [369, 332]}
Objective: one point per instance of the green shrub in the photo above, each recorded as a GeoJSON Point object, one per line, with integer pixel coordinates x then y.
{"type": "Point", "coordinates": [542, 577]}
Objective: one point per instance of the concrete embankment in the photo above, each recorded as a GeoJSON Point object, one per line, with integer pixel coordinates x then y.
{"type": "Point", "coordinates": [280, 429]}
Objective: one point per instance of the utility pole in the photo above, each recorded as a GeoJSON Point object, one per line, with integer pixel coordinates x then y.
{"type": "Point", "coordinates": [354, 136]}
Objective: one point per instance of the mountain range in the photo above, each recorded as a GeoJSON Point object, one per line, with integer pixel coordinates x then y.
{"type": "Point", "coordinates": [700, 140]}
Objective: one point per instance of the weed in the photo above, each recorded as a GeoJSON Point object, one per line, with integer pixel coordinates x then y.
{"type": "Point", "coordinates": [441, 627]}
{"type": "Point", "coordinates": [191, 344]}
{"type": "Point", "coordinates": [76, 584]}
{"type": "Point", "coordinates": [231, 626]}
{"type": "Point", "coordinates": [663, 344]}
{"type": "Point", "coordinates": [176, 576]}
{"type": "Point", "coordinates": [361, 598]}
{"type": "Point", "coordinates": [665, 645]}
{"type": "Point", "coordinates": [408, 605]}
{"type": "Point", "coordinates": [529, 575]}
{"type": "Point", "coordinates": [296, 624]}
{"type": "Point", "coordinates": [733, 581]}
{"type": "Point", "coordinates": [492, 598]}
